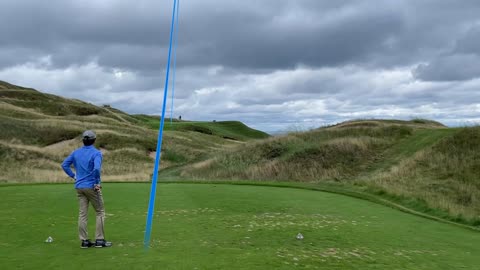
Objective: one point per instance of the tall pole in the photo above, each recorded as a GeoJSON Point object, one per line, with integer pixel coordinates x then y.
{"type": "Point", "coordinates": [151, 204]}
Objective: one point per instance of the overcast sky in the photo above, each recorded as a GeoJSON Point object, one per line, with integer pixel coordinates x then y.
{"type": "Point", "coordinates": [274, 64]}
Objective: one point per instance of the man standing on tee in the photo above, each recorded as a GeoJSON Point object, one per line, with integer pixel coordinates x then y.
{"type": "Point", "coordinates": [87, 162]}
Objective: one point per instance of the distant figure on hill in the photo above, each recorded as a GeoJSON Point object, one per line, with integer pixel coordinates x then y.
{"type": "Point", "coordinates": [180, 117]}
{"type": "Point", "coordinates": [87, 162]}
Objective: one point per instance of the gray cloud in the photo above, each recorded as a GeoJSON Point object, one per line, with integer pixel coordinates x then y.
{"type": "Point", "coordinates": [470, 42]}
{"type": "Point", "coordinates": [270, 34]}
{"type": "Point", "coordinates": [460, 64]}
{"type": "Point", "coordinates": [273, 34]}
{"type": "Point", "coordinates": [458, 67]}
{"type": "Point", "coordinates": [271, 63]}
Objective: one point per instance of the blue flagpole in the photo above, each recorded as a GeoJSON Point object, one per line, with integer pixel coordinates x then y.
{"type": "Point", "coordinates": [151, 204]}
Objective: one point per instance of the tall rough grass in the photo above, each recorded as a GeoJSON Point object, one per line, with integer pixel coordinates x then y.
{"type": "Point", "coordinates": [445, 176]}
{"type": "Point", "coordinates": [324, 154]}
{"type": "Point", "coordinates": [32, 146]}
{"type": "Point", "coordinates": [38, 130]}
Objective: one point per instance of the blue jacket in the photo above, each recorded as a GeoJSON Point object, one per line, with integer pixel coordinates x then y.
{"type": "Point", "coordinates": [87, 161]}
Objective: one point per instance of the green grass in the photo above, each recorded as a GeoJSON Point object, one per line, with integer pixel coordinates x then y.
{"type": "Point", "coordinates": [214, 226]}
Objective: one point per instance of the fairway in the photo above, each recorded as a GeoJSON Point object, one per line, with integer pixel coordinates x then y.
{"type": "Point", "coordinates": [219, 226]}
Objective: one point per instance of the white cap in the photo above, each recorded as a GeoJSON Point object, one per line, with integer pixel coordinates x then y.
{"type": "Point", "coordinates": [88, 134]}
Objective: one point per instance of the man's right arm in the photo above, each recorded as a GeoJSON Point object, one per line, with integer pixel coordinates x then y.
{"type": "Point", "coordinates": [66, 166]}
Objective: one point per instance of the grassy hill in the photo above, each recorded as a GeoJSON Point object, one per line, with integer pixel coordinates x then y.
{"type": "Point", "coordinates": [339, 152]}
{"type": "Point", "coordinates": [233, 130]}
{"type": "Point", "coordinates": [421, 164]}
{"type": "Point", "coordinates": [38, 130]}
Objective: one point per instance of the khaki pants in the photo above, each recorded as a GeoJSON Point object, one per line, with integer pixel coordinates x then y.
{"type": "Point", "coordinates": [86, 195]}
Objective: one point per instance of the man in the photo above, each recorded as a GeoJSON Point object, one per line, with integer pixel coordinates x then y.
{"type": "Point", "coordinates": [87, 162]}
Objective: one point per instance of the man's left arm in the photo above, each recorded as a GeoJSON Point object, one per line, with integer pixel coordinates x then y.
{"type": "Point", "coordinates": [97, 167]}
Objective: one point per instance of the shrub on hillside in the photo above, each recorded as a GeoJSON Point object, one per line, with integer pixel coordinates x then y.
{"type": "Point", "coordinates": [83, 110]}
{"type": "Point", "coordinates": [196, 128]}
{"type": "Point", "coordinates": [36, 133]}
{"type": "Point", "coordinates": [112, 141]}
